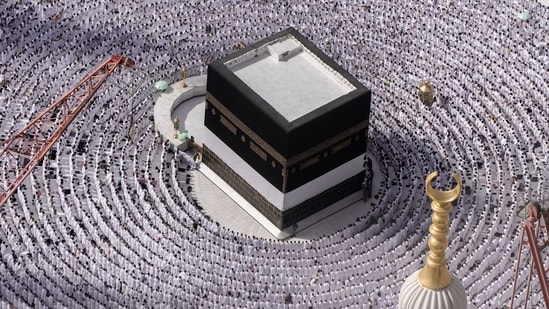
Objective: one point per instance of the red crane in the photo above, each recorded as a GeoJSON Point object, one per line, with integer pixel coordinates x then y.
{"type": "Point", "coordinates": [532, 227]}
{"type": "Point", "coordinates": [25, 149]}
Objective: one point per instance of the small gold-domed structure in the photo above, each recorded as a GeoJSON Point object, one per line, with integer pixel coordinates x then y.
{"type": "Point", "coordinates": [426, 93]}
{"type": "Point", "coordinates": [176, 127]}
{"type": "Point", "coordinates": [176, 123]}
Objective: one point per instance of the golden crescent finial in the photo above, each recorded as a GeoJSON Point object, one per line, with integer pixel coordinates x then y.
{"type": "Point", "coordinates": [435, 275]}
{"type": "Point", "coordinates": [442, 196]}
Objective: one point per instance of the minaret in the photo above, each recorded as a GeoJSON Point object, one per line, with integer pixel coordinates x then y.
{"type": "Point", "coordinates": [434, 286]}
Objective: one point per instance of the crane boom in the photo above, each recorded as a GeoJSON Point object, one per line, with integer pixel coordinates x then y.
{"type": "Point", "coordinates": [532, 227]}
{"type": "Point", "coordinates": [22, 151]}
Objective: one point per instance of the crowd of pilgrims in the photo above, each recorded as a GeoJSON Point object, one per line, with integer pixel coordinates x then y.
{"type": "Point", "coordinates": [110, 217]}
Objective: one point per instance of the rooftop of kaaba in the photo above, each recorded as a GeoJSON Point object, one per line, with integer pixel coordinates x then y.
{"type": "Point", "coordinates": [288, 92]}
{"type": "Point", "coordinates": [295, 84]}
{"type": "Point", "coordinates": [110, 218]}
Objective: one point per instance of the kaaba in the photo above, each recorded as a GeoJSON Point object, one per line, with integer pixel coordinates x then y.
{"type": "Point", "coordinates": [288, 127]}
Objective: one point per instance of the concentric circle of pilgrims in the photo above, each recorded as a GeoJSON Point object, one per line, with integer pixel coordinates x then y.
{"type": "Point", "coordinates": [112, 219]}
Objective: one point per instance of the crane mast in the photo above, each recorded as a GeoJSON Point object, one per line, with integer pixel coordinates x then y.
{"type": "Point", "coordinates": [531, 240]}
{"type": "Point", "coordinates": [21, 152]}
